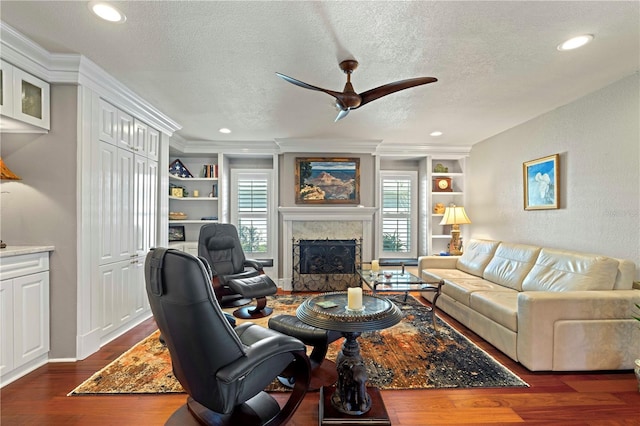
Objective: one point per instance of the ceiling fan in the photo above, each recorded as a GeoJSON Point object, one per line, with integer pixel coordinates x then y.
{"type": "Point", "coordinates": [348, 99]}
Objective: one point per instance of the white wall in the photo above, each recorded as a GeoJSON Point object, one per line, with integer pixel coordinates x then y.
{"type": "Point", "coordinates": [41, 208]}
{"type": "Point", "coordinates": [598, 139]}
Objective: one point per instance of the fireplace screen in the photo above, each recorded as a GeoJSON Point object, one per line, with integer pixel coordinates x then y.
{"type": "Point", "coordinates": [325, 265]}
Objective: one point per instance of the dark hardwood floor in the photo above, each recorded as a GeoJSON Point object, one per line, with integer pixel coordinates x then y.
{"type": "Point", "coordinates": [603, 398]}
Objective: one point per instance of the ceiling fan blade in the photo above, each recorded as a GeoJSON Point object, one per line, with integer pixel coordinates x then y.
{"type": "Point", "coordinates": [387, 89]}
{"type": "Point", "coordinates": [342, 114]}
{"type": "Point", "coordinates": [298, 82]}
{"type": "Point", "coordinates": [308, 86]}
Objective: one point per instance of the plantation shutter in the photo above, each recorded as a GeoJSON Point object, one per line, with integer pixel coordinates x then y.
{"type": "Point", "coordinates": [252, 212]}
{"type": "Point", "coordinates": [396, 214]}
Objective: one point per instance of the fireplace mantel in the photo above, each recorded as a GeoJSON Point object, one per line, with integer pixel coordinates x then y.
{"type": "Point", "coordinates": [327, 213]}
{"type": "Point", "coordinates": [290, 215]}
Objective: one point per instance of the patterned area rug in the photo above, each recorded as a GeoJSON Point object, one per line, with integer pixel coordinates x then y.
{"type": "Point", "coordinates": [410, 355]}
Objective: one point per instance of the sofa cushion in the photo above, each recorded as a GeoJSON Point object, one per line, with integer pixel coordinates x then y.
{"type": "Point", "coordinates": [558, 270]}
{"type": "Point", "coordinates": [510, 264]}
{"type": "Point", "coordinates": [431, 275]}
{"type": "Point", "coordinates": [499, 306]}
{"type": "Point", "coordinates": [476, 256]}
{"type": "Point", "coordinates": [461, 289]}
{"type": "Point", "coordinates": [625, 275]}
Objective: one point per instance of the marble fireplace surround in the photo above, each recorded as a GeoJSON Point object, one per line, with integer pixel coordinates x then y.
{"type": "Point", "coordinates": [322, 222]}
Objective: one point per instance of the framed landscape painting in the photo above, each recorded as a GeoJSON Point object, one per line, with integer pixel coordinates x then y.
{"type": "Point", "coordinates": [327, 181]}
{"type": "Point", "coordinates": [541, 177]}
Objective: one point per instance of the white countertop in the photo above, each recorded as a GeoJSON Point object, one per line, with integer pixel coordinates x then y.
{"type": "Point", "coordinates": [10, 250]}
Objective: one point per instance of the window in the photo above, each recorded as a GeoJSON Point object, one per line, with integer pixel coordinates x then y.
{"type": "Point", "coordinates": [399, 214]}
{"type": "Point", "coordinates": [250, 210]}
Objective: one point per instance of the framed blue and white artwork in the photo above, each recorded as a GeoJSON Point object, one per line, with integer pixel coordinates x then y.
{"type": "Point", "coordinates": [541, 183]}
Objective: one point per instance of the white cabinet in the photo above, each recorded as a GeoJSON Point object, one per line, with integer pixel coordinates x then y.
{"type": "Point", "coordinates": [199, 199]}
{"type": "Point", "coordinates": [24, 315]}
{"type": "Point", "coordinates": [440, 235]}
{"type": "Point", "coordinates": [127, 199]}
{"type": "Point", "coordinates": [23, 98]}
{"type": "Point", "coordinates": [146, 140]}
{"type": "Point", "coordinates": [6, 326]}
{"type": "Point", "coordinates": [122, 294]}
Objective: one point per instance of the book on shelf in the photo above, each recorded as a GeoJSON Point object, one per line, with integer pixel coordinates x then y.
{"type": "Point", "coordinates": [210, 171]}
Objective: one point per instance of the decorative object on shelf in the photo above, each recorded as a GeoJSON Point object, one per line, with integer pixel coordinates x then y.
{"type": "Point", "coordinates": [439, 168]}
{"type": "Point", "coordinates": [177, 191]}
{"type": "Point", "coordinates": [177, 215]}
{"type": "Point", "coordinates": [455, 216]}
{"type": "Point", "coordinates": [3, 244]}
{"type": "Point", "coordinates": [178, 169]}
{"type": "Point", "coordinates": [327, 181]}
{"type": "Point", "coordinates": [176, 233]}
{"type": "Point", "coordinates": [439, 208]}
{"type": "Point", "coordinates": [442, 184]}
{"type": "Point", "coordinates": [6, 173]}
{"type": "Point", "coordinates": [196, 193]}
{"type": "Point", "coordinates": [541, 177]}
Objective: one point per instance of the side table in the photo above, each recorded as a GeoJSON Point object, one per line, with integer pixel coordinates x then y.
{"type": "Point", "coordinates": [351, 402]}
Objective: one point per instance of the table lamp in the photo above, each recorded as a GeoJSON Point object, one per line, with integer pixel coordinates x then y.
{"type": "Point", "coordinates": [455, 216]}
{"type": "Point", "coordinates": [6, 173]}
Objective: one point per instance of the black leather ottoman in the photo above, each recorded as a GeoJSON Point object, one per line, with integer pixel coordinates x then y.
{"type": "Point", "coordinates": [323, 371]}
{"type": "Point", "coordinates": [258, 287]}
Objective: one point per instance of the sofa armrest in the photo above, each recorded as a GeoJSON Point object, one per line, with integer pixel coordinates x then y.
{"type": "Point", "coordinates": [540, 311]}
{"type": "Point", "coordinates": [437, 262]}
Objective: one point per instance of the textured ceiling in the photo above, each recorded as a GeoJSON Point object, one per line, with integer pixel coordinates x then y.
{"type": "Point", "coordinates": [212, 64]}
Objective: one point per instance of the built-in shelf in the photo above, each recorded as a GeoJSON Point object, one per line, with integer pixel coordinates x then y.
{"type": "Point", "coordinates": [206, 204]}
{"type": "Point", "coordinates": [193, 198]}
{"type": "Point", "coordinates": [439, 234]}
{"type": "Point", "coordinates": [194, 179]}
{"type": "Point", "coordinates": [202, 222]}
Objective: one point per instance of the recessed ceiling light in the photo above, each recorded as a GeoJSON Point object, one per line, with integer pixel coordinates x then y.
{"type": "Point", "coordinates": [107, 12]}
{"type": "Point", "coordinates": [436, 133]}
{"type": "Point", "coordinates": [224, 130]}
{"type": "Point", "coordinates": [575, 42]}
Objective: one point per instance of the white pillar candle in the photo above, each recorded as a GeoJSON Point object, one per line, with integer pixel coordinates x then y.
{"type": "Point", "coordinates": [375, 265]}
{"type": "Point", "coordinates": [354, 298]}
{"type": "Point", "coordinates": [196, 193]}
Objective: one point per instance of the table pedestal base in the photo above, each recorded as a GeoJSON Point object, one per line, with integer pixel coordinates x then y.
{"type": "Point", "coordinates": [376, 416]}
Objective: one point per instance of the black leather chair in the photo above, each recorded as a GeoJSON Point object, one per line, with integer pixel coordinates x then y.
{"type": "Point", "coordinates": [236, 279]}
{"type": "Point", "coordinates": [224, 370]}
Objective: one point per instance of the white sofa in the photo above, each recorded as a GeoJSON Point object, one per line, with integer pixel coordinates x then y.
{"type": "Point", "coordinates": [548, 309]}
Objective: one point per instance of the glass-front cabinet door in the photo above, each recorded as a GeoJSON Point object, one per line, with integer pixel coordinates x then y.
{"type": "Point", "coordinates": [24, 97]}
{"type": "Point", "coordinates": [6, 88]}
{"type": "Point", "coordinates": [33, 105]}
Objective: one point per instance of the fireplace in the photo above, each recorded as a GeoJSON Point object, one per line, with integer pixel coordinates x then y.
{"type": "Point", "coordinates": [325, 265]}
{"type": "Point", "coordinates": [319, 223]}
{"type": "Point", "coordinates": [327, 256]}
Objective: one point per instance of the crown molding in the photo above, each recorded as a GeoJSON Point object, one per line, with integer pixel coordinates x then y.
{"type": "Point", "coordinates": [309, 145]}
{"type": "Point", "coordinates": [223, 147]}
{"type": "Point", "coordinates": [58, 68]}
{"type": "Point", "coordinates": [422, 150]}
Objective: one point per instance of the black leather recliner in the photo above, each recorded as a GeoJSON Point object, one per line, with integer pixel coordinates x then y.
{"type": "Point", "coordinates": [236, 279]}
{"type": "Point", "coordinates": [224, 370]}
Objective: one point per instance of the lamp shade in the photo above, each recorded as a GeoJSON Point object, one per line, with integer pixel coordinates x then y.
{"type": "Point", "coordinates": [455, 215]}
{"type": "Point", "coordinates": [6, 173]}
